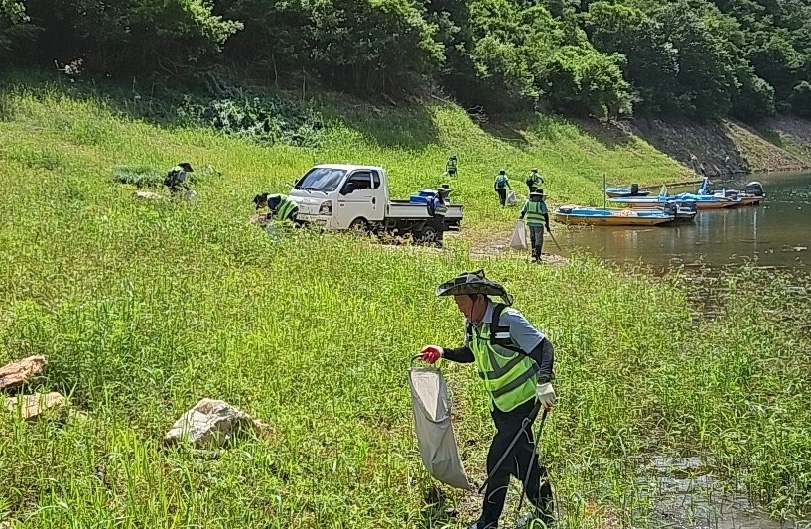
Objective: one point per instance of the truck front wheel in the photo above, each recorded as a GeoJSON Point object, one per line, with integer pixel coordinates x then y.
{"type": "Point", "coordinates": [359, 225]}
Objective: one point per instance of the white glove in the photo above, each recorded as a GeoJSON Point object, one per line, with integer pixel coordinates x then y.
{"type": "Point", "coordinates": [546, 394]}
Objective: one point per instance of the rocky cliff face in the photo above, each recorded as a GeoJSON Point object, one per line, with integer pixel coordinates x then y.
{"type": "Point", "coordinates": [729, 148]}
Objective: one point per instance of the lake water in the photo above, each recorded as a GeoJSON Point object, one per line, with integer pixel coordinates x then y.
{"type": "Point", "coordinates": [775, 233]}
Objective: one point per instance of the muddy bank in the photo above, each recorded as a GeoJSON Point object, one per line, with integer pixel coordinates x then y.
{"type": "Point", "coordinates": [728, 148]}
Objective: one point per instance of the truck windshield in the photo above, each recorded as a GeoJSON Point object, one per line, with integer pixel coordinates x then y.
{"type": "Point", "coordinates": [321, 179]}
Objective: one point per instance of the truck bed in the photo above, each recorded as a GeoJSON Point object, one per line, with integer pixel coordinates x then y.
{"type": "Point", "coordinates": [408, 210]}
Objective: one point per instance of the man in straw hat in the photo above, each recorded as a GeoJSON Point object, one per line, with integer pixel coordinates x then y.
{"type": "Point", "coordinates": [515, 361]}
{"type": "Point", "coordinates": [537, 216]}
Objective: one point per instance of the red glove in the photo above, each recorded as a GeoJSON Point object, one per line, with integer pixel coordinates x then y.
{"type": "Point", "coordinates": [431, 353]}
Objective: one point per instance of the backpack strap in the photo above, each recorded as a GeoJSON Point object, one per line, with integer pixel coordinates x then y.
{"type": "Point", "coordinates": [500, 334]}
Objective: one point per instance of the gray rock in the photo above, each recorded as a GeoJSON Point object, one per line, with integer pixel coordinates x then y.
{"type": "Point", "coordinates": [32, 406]}
{"type": "Point", "coordinates": [210, 424]}
{"type": "Point", "coordinates": [16, 373]}
{"type": "Point", "coordinates": [149, 195]}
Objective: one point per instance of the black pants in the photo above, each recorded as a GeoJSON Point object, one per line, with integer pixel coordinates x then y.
{"type": "Point", "coordinates": [439, 224]}
{"type": "Point", "coordinates": [502, 195]}
{"type": "Point", "coordinates": [521, 460]}
{"type": "Point", "coordinates": [536, 240]}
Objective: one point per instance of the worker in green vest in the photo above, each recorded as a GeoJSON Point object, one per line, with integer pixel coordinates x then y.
{"type": "Point", "coordinates": [515, 361]}
{"type": "Point", "coordinates": [440, 209]}
{"type": "Point", "coordinates": [534, 181]}
{"type": "Point", "coordinates": [501, 185]}
{"type": "Point", "coordinates": [537, 214]}
{"type": "Point", "coordinates": [176, 178]}
{"type": "Point", "coordinates": [450, 167]}
{"type": "Point", "coordinates": [281, 206]}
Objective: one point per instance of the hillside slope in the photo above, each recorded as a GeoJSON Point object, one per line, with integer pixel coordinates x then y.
{"type": "Point", "coordinates": [145, 307]}
{"type": "Point", "coordinates": [412, 143]}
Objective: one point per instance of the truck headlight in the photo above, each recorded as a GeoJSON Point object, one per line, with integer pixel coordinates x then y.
{"type": "Point", "coordinates": [326, 208]}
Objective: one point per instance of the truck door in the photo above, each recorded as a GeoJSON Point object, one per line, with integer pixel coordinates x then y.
{"type": "Point", "coordinates": [357, 199]}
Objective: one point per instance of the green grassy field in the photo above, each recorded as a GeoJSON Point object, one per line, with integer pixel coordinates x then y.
{"type": "Point", "coordinates": [144, 307]}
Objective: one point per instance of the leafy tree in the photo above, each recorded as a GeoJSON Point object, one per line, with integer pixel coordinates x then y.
{"type": "Point", "coordinates": [585, 81]}
{"type": "Point", "coordinates": [15, 27]}
{"type": "Point", "coordinates": [132, 35]}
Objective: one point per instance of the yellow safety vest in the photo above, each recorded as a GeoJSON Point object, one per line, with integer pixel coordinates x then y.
{"type": "Point", "coordinates": [509, 376]}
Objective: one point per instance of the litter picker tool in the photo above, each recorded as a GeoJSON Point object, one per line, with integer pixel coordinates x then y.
{"type": "Point", "coordinates": [556, 241]}
{"type": "Point", "coordinates": [532, 460]}
{"type": "Point", "coordinates": [507, 452]}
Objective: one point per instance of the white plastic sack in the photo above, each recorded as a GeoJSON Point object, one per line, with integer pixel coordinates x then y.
{"type": "Point", "coordinates": [519, 238]}
{"type": "Point", "coordinates": [432, 421]}
{"type": "Point", "coordinates": [510, 200]}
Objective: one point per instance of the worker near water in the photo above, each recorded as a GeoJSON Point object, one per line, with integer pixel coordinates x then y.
{"type": "Point", "coordinates": [537, 214]}
{"type": "Point", "coordinates": [501, 185]}
{"type": "Point", "coordinates": [281, 206]}
{"type": "Point", "coordinates": [515, 361]}
{"type": "Point", "coordinates": [534, 181]}
{"type": "Point", "coordinates": [440, 208]}
{"type": "Point", "coordinates": [451, 166]}
{"type": "Point", "coordinates": [176, 177]}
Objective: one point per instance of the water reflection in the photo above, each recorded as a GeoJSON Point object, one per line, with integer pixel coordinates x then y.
{"type": "Point", "coordinates": [775, 233]}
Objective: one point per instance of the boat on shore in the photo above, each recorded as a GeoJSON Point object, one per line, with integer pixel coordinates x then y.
{"type": "Point", "coordinates": [701, 201]}
{"type": "Point", "coordinates": [752, 194]}
{"type": "Point", "coordinates": [571, 214]}
{"type": "Point", "coordinates": [632, 191]}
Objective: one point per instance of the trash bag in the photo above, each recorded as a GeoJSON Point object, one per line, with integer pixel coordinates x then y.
{"type": "Point", "coordinates": [511, 200]}
{"type": "Point", "coordinates": [519, 238]}
{"type": "Point", "coordinates": [432, 421]}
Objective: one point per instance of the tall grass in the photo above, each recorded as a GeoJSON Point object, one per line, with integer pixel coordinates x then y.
{"type": "Point", "coordinates": [144, 307]}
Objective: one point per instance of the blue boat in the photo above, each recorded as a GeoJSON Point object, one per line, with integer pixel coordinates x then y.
{"type": "Point", "coordinates": [753, 193]}
{"type": "Point", "coordinates": [701, 201]}
{"type": "Point", "coordinates": [611, 216]}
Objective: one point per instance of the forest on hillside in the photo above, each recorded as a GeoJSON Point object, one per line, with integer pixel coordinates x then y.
{"type": "Point", "coordinates": [704, 59]}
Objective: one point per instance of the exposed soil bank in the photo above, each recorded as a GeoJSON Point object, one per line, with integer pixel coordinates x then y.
{"type": "Point", "coordinates": [779, 144]}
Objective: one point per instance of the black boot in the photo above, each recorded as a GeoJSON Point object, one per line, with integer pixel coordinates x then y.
{"type": "Point", "coordinates": [478, 524]}
{"type": "Point", "coordinates": [545, 512]}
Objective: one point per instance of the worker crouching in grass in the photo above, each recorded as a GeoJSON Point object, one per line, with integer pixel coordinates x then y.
{"type": "Point", "coordinates": [515, 362]}
{"type": "Point", "coordinates": [281, 209]}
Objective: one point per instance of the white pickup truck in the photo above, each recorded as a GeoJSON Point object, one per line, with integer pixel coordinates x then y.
{"type": "Point", "coordinates": [357, 196]}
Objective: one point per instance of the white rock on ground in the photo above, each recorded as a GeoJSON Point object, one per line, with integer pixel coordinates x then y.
{"type": "Point", "coordinates": [16, 373]}
{"type": "Point", "coordinates": [32, 406]}
{"type": "Point", "coordinates": [210, 424]}
{"type": "Point", "coordinates": [149, 195]}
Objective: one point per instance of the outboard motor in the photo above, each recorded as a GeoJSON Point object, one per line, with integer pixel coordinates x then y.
{"type": "Point", "coordinates": [671, 208]}
{"type": "Point", "coordinates": [634, 189]}
{"type": "Point", "coordinates": [689, 206]}
{"type": "Point", "coordinates": [754, 188]}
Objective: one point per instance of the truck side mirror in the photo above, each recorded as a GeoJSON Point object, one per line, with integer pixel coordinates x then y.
{"type": "Point", "coordinates": [347, 188]}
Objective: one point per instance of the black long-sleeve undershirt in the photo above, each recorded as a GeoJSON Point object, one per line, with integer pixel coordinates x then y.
{"type": "Point", "coordinates": [543, 355]}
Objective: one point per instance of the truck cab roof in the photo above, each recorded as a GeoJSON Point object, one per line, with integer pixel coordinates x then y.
{"type": "Point", "coordinates": [348, 167]}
